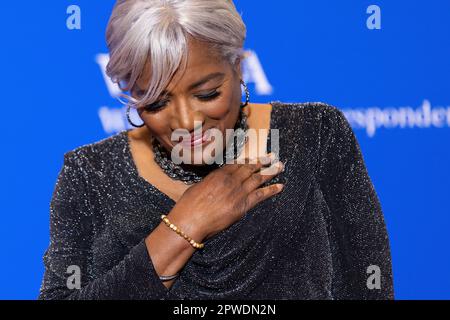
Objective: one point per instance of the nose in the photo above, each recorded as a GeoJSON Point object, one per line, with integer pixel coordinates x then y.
{"type": "Point", "coordinates": [185, 117]}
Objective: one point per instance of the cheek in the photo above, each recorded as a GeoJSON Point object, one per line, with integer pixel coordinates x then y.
{"type": "Point", "coordinates": [156, 124]}
{"type": "Point", "coordinates": [222, 108]}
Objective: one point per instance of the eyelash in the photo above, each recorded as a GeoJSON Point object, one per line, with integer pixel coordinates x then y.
{"type": "Point", "coordinates": [154, 107]}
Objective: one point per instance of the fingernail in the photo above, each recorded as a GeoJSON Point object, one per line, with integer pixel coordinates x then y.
{"type": "Point", "coordinates": [266, 159]}
{"type": "Point", "coordinates": [279, 165]}
{"type": "Point", "coordinates": [272, 155]}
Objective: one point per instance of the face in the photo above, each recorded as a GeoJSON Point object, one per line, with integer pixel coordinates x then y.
{"type": "Point", "coordinates": [208, 94]}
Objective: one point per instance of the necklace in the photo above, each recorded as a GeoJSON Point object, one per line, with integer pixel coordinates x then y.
{"type": "Point", "coordinates": [190, 174]}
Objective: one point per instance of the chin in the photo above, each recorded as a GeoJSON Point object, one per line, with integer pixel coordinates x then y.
{"type": "Point", "coordinates": [201, 158]}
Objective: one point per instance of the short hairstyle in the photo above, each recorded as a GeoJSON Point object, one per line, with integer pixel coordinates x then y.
{"type": "Point", "coordinates": [157, 32]}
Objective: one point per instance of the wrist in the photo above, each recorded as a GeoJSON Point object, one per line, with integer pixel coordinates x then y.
{"type": "Point", "coordinates": [188, 224]}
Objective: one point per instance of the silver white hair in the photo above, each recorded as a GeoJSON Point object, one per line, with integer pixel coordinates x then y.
{"type": "Point", "coordinates": [157, 31]}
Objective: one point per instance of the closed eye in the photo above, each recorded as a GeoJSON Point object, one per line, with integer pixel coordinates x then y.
{"type": "Point", "coordinates": [157, 106]}
{"type": "Point", "coordinates": [210, 96]}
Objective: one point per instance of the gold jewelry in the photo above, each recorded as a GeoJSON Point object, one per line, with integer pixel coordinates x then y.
{"type": "Point", "coordinates": [181, 233]}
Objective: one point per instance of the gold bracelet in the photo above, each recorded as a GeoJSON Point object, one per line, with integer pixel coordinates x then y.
{"type": "Point", "coordinates": [181, 233]}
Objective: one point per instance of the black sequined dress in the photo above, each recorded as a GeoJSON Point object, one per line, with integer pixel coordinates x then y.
{"type": "Point", "coordinates": [314, 240]}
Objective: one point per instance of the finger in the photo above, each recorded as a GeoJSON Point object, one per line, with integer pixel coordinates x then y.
{"type": "Point", "coordinates": [258, 178]}
{"type": "Point", "coordinates": [239, 163]}
{"type": "Point", "coordinates": [251, 166]}
{"type": "Point", "coordinates": [261, 194]}
{"type": "Point", "coordinates": [275, 168]}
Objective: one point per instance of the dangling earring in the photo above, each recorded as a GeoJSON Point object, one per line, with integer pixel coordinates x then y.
{"type": "Point", "coordinates": [129, 119]}
{"type": "Point", "coordinates": [247, 95]}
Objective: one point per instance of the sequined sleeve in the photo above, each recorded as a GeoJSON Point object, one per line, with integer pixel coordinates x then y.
{"type": "Point", "coordinates": [69, 255]}
{"type": "Point", "coordinates": [356, 221]}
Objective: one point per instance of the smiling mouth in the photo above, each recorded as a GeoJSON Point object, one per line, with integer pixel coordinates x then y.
{"type": "Point", "coordinates": [193, 141]}
{"type": "Point", "coordinates": [196, 140]}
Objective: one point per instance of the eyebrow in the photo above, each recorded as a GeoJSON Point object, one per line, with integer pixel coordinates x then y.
{"type": "Point", "coordinates": [209, 77]}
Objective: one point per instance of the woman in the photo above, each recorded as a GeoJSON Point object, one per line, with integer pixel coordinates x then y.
{"type": "Point", "coordinates": [130, 221]}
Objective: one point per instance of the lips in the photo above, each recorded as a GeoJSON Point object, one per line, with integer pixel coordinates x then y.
{"type": "Point", "coordinates": [194, 140]}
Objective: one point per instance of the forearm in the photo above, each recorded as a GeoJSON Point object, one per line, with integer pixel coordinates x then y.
{"type": "Point", "coordinates": [168, 250]}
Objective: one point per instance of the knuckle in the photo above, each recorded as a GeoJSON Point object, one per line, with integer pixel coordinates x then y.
{"type": "Point", "coordinates": [259, 193]}
{"type": "Point", "coordinates": [227, 180]}
{"type": "Point", "coordinates": [246, 203]}
{"type": "Point", "coordinates": [257, 177]}
{"type": "Point", "coordinates": [250, 168]}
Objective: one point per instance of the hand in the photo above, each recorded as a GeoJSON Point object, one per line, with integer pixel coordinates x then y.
{"type": "Point", "coordinates": [226, 194]}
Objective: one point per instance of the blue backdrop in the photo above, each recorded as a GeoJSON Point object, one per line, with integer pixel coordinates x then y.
{"type": "Point", "coordinates": [387, 67]}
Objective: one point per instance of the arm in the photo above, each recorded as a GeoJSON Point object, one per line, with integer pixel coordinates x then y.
{"type": "Point", "coordinates": [135, 277]}
{"type": "Point", "coordinates": [356, 219]}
